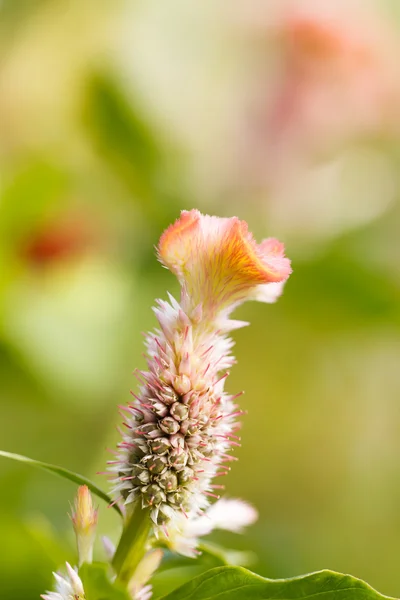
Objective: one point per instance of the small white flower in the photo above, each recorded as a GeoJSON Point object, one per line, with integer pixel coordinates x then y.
{"type": "Point", "coordinates": [145, 593]}
{"type": "Point", "coordinates": [231, 514]}
{"type": "Point", "coordinates": [68, 587]}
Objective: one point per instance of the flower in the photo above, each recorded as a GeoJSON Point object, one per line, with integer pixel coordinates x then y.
{"type": "Point", "coordinates": [231, 514]}
{"type": "Point", "coordinates": [338, 76]}
{"type": "Point", "coordinates": [181, 426]}
{"type": "Point", "coordinates": [69, 587]}
{"type": "Point", "coordinates": [218, 262]}
{"type": "Point", "coordinates": [84, 520]}
{"type": "Point", "coordinates": [322, 87]}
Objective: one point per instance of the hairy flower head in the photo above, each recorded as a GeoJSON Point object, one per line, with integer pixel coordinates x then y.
{"type": "Point", "coordinates": [181, 426]}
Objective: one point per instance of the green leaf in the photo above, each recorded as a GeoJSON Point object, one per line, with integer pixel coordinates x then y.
{"type": "Point", "coordinates": [122, 137]}
{"type": "Point", "coordinates": [97, 584]}
{"type": "Point", "coordinates": [209, 557]}
{"type": "Point", "coordinates": [236, 583]}
{"type": "Point", "coordinates": [65, 473]}
{"type": "Point", "coordinates": [129, 145]}
{"type": "Point", "coordinates": [175, 569]}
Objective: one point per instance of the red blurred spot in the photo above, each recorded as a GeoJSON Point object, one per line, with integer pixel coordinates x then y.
{"type": "Point", "coordinates": [64, 238]}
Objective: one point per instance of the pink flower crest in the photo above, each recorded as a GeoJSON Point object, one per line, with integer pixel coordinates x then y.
{"type": "Point", "coordinates": [218, 262]}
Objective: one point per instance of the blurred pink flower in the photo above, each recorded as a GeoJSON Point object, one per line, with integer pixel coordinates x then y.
{"type": "Point", "coordinates": [337, 78]}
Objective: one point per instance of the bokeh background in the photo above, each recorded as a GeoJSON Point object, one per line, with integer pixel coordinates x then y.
{"type": "Point", "coordinates": [114, 116]}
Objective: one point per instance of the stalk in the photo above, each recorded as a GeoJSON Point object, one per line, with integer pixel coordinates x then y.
{"type": "Point", "coordinates": [132, 545]}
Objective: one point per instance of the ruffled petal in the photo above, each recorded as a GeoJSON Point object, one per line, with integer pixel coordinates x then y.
{"type": "Point", "coordinates": [218, 262]}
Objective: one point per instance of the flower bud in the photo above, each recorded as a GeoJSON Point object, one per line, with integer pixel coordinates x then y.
{"type": "Point", "coordinates": [156, 464]}
{"type": "Point", "coordinates": [179, 411]}
{"type": "Point", "coordinates": [160, 445]}
{"type": "Point", "coordinates": [153, 494]}
{"type": "Point", "coordinates": [140, 475]}
{"type": "Point", "coordinates": [160, 408]}
{"type": "Point", "coordinates": [148, 429]}
{"type": "Point", "coordinates": [190, 426]}
{"type": "Point", "coordinates": [84, 520]}
{"type": "Point", "coordinates": [178, 459]}
{"type": "Point", "coordinates": [178, 499]}
{"type": "Point", "coordinates": [178, 441]}
{"type": "Point", "coordinates": [169, 396]}
{"type": "Point", "coordinates": [185, 476]}
{"type": "Point", "coordinates": [169, 481]}
{"type": "Point", "coordinates": [169, 425]}
{"type": "Point", "coordinates": [182, 384]}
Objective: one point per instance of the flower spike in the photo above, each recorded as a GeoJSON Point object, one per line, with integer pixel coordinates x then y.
{"type": "Point", "coordinates": [181, 426]}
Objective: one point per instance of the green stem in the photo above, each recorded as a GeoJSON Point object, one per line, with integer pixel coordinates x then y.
{"type": "Point", "coordinates": [132, 545]}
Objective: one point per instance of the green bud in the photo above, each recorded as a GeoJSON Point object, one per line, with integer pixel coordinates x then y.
{"type": "Point", "coordinates": [143, 477]}
{"type": "Point", "coordinates": [156, 464]}
{"type": "Point", "coordinates": [168, 481]}
{"type": "Point", "coordinates": [193, 426]}
{"type": "Point", "coordinates": [178, 459]}
{"type": "Point", "coordinates": [185, 476]}
{"type": "Point", "coordinates": [153, 494]}
{"type": "Point", "coordinates": [140, 475]}
{"type": "Point", "coordinates": [160, 445]}
{"type": "Point", "coordinates": [169, 396]}
{"type": "Point", "coordinates": [179, 411]}
{"type": "Point", "coordinates": [169, 425]}
{"type": "Point", "coordinates": [178, 498]}
{"type": "Point", "coordinates": [148, 429]}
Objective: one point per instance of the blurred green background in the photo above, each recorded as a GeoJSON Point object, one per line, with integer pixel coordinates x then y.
{"type": "Point", "coordinates": [114, 116]}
